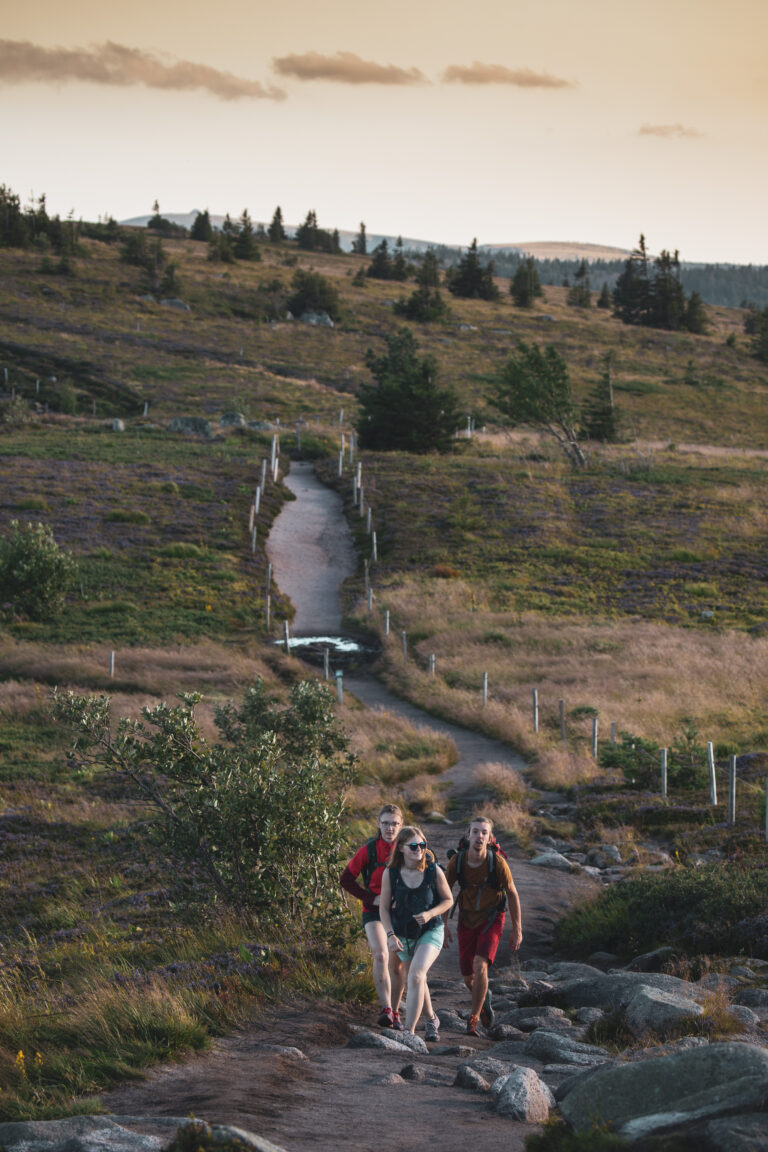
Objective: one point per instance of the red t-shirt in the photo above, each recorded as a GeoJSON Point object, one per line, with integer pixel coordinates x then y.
{"type": "Point", "coordinates": [355, 867]}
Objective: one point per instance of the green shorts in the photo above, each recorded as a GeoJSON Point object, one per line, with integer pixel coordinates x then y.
{"type": "Point", "coordinates": [433, 934]}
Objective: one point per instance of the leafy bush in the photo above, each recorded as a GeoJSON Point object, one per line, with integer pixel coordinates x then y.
{"type": "Point", "coordinates": [312, 292]}
{"type": "Point", "coordinates": [35, 575]}
{"type": "Point", "coordinates": [258, 812]}
{"type": "Point", "coordinates": [716, 909]}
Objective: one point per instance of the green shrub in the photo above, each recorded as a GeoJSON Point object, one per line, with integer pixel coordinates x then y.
{"type": "Point", "coordinates": [128, 516]}
{"type": "Point", "coordinates": [257, 814]}
{"type": "Point", "coordinates": [717, 910]}
{"type": "Point", "coordinates": [35, 574]}
{"type": "Point", "coordinates": [635, 757]}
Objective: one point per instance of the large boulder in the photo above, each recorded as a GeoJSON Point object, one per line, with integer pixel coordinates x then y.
{"type": "Point", "coordinates": [191, 425]}
{"type": "Point", "coordinates": [654, 1010]}
{"type": "Point", "coordinates": [394, 1043]}
{"type": "Point", "coordinates": [701, 1083]}
{"type": "Point", "coordinates": [614, 990]}
{"type": "Point", "coordinates": [523, 1096]}
{"type": "Point", "coordinates": [554, 1048]}
{"type": "Point", "coordinates": [76, 1134]}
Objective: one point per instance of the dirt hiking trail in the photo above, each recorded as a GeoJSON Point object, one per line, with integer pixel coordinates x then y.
{"type": "Point", "coordinates": [327, 1097]}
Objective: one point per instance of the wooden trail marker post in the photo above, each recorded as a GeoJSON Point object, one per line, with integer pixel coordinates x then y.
{"type": "Point", "coordinates": [326, 662]}
{"type": "Point", "coordinates": [404, 640]}
{"type": "Point", "coordinates": [340, 686]}
{"type": "Point", "coordinates": [251, 517]}
{"type": "Point", "coordinates": [253, 539]}
{"type": "Point", "coordinates": [712, 778]}
{"type": "Point", "coordinates": [613, 733]}
{"type": "Point", "coordinates": [268, 578]}
{"type": "Point", "coordinates": [263, 472]}
{"type": "Point", "coordinates": [594, 737]}
{"type": "Point", "coordinates": [374, 549]}
{"type": "Point", "coordinates": [286, 637]}
{"type": "Point", "coordinates": [663, 773]}
{"type": "Point", "coordinates": [257, 499]}
{"type": "Point", "coordinates": [432, 666]}
{"type": "Point", "coordinates": [485, 689]}
{"type": "Point", "coordinates": [341, 464]}
{"type": "Point", "coordinates": [370, 600]}
{"type": "Point", "coordinates": [362, 502]}
{"type": "Point", "coordinates": [386, 622]}
{"type": "Point", "coordinates": [111, 665]}
{"type": "Point", "coordinates": [732, 790]}
{"type": "Point", "coordinates": [561, 708]}
{"type": "Point", "coordinates": [268, 610]}
{"type": "Point", "coordinates": [535, 695]}
{"type": "Point", "coordinates": [368, 520]}
{"type": "Point", "coordinates": [367, 577]}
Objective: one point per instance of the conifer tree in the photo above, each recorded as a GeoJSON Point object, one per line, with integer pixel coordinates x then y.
{"type": "Point", "coordinates": [599, 418]}
{"type": "Point", "coordinates": [471, 279]}
{"type": "Point", "coordinates": [202, 228]}
{"type": "Point", "coordinates": [245, 247]}
{"type": "Point", "coordinates": [579, 295]}
{"type": "Point", "coordinates": [276, 231]}
{"type": "Point", "coordinates": [525, 287]}
{"type": "Point", "coordinates": [360, 242]}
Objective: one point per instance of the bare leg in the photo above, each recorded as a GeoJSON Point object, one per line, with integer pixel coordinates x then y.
{"type": "Point", "coordinates": [423, 959]}
{"type": "Point", "coordinates": [397, 974]}
{"type": "Point", "coordinates": [377, 940]}
{"type": "Point", "coordinates": [479, 983]}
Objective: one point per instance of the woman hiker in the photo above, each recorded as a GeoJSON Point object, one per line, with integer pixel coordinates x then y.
{"type": "Point", "coordinates": [369, 863]}
{"type": "Point", "coordinates": [414, 896]}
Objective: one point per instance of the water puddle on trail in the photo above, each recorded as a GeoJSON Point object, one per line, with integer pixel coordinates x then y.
{"type": "Point", "coordinates": [343, 651]}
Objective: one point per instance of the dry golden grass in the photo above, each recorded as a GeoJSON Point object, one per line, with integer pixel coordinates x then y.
{"type": "Point", "coordinates": [502, 781]}
{"type": "Point", "coordinates": [645, 677]}
{"type": "Point", "coordinates": [509, 818]}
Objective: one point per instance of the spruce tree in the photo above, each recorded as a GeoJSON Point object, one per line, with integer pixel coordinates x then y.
{"type": "Point", "coordinates": [580, 296]}
{"type": "Point", "coordinates": [276, 231]}
{"type": "Point", "coordinates": [605, 299]}
{"type": "Point", "coordinates": [471, 280]}
{"type": "Point", "coordinates": [360, 242]}
{"type": "Point", "coordinates": [526, 287]}
{"type": "Point", "coordinates": [201, 228]}
{"type": "Point", "coordinates": [245, 247]}
{"type": "Point", "coordinates": [406, 409]}
{"type": "Point", "coordinates": [599, 418]}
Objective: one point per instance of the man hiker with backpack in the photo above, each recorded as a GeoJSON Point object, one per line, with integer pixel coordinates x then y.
{"type": "Point", "coordinates": [369, 863]}
{"type": "Point", "coordinates": [486, 888]}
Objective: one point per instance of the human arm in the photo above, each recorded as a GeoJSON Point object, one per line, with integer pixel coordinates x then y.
{"type": "Point", "coordinates": [348, 880]}
{"type": "Point", "coordinates": [443, 907]}
{"type": "Point", "coordinates": [515, 914]}
{"type": "Point", "coordinates": [394, 944]}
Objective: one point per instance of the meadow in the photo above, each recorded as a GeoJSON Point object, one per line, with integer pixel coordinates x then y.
{"type": "Point", "coordinates": [634, 590]}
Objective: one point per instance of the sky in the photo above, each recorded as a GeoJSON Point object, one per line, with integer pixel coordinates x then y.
{"type": "Point", "coordinates": [510, 121]}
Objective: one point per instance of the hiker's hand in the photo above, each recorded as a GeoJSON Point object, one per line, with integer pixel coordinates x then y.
{"type": "Point", "coordinates": [515, 938]}
{"type": "Point", "coordinates": [448, 938]}
{"type": "Point", "coordinates": [376, 901]}
{"type": "Point", "coordinates": [398, 945]}
{"type": "Point", "coordinates": [422, 918]}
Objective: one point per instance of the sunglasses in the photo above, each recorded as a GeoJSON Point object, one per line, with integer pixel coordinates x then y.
{"type": "Point", "coordinates": [421, 844]}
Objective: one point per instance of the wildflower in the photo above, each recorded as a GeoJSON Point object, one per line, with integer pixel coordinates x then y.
{"type": "Point", "coordinates": [20, 1063]}
{"type": "Point", "coordinates": [208, 607]}
{"type": "Point", "coordinates": [38, 1060]}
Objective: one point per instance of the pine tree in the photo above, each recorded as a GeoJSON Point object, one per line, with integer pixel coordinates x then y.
{"type": "Point", "coordinates": [202, 228]}
{"type": "Point", "coordinates": [667, 298]}
{"type": "Point", "coordinates": [360, 242]}
{"type": "Point", "coordinates": [406, 409]}
{"type": "Point", "coordinates": [534, 388]}
{"type": "Point", "coordinates": [276, 231]}
{"type": "Point", "coordinates": [580, 296]}
{"type": "Point", "coordinates": [695, 319]}
{"type": "Point", "coordinates": [245, 247]}
{"type": "Point", "coordinates": [526, 287]}
{"type": "Point", "coordinates": [632, 294]}
{"type": "Point", "coordinates": [471, 280]}
{"type": "Point", "coordinates": [605, 299]}
{"type": "Point", "coordinates": [380, 267]}
{"type": "Point", "coordinates": [599, 418]}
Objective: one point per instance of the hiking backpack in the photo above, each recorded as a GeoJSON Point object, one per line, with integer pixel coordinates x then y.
{"type": "Point", "coordinates": [491, 880]}
{"type": "Point", "coordinates": [372, 863]}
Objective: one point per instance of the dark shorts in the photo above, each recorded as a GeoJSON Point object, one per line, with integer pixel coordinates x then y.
{"type": "Point", "coordinates": [481, 941]}
{"type": "Point", "coordinates": [370, 916]}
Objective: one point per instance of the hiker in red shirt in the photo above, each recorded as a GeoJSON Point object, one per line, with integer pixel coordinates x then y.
{"type": "Point", "coordinates": [369, 863]}
{"type": "Point", "coordinates": [486, 889]}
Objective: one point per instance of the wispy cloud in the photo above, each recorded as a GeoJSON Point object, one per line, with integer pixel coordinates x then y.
{"type": "Point", "coordinates": [478, 73]}
{"type": "Point", "coordinates": [675, 130]}
{"type": "Point", "coordinates": [345, 68]}
{"type": "Point", "coordinates": [116, 65]}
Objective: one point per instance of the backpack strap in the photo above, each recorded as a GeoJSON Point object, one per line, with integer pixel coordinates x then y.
{"type": "Point", "coordinates": [372, 862]}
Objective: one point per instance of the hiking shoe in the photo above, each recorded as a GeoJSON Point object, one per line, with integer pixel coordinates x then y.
{"type": "Point", "coordinates": [386, 1019]}
{"type": "Point", "coordinates": [487, 1014]}
{"type": "Point", "coordinates": [397, 1023]}
{"type": "Point", "coordinates": [432, 1029]}
{"type": "Point", "coordinates": [472, 1026]}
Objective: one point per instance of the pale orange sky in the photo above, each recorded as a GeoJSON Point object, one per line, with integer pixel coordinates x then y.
{"type": "Point", "coordinates": [521, 120]}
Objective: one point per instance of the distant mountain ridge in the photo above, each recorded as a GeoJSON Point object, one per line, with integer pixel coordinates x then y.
{"type": "Point", "coordinates": [541, 250]}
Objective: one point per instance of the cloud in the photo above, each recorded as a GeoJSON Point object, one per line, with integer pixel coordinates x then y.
{"type": "Point", "coordinates": [675, 130]}
{"type": "Point", "coordinates": [478, 73]}
{"type": "Point", "coordinates": [117, 66]}
{"type": "Point", "coordinates": [344, 68]}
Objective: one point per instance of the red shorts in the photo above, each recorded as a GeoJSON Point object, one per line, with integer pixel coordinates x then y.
{"type": "Point", "coordinates": [481, 941]}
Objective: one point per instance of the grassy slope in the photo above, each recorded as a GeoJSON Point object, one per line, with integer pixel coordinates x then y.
{"type": "Point", "coordinates": [590, 586]}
